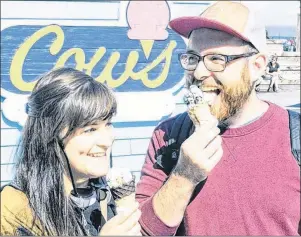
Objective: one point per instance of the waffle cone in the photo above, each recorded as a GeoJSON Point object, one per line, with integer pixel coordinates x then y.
{"type": "Point", "coordinates": [200, 113]}
{"type": "Point", "coordinates": [124, 190]}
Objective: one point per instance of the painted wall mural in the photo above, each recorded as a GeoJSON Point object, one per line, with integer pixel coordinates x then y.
{"type": "Point", "coordinates": [125, 44]}
{"type": "Point", "coordinates": [139, 62]}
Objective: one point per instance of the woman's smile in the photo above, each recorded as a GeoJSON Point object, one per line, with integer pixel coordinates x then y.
{"type": "Point", "coordinates": [97, 155]}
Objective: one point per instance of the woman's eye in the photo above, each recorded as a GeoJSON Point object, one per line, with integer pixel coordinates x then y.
{"type": "Point", "coordinates": [109, 124]}
{"type": "Point", "coordinates": [88, 130]}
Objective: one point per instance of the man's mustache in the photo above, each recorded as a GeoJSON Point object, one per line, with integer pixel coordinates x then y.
{"type": "Point", "coordinates": [207, 83]}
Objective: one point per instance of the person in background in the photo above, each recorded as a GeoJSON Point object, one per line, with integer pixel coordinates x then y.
{"type": "Point", "coordinates": [292, 45]}
{"type": "Point", "coordinates": [59, 187]}
{"type": "Point", "coordinates": [258, 83]}
{"type": "Point", "coordinates": [272, 72]}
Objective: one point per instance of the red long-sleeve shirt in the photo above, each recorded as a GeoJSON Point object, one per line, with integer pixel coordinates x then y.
{"type": "Point", "coordinates": [253, 190]}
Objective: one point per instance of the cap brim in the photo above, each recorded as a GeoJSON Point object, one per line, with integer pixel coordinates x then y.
{"type": "Point", "coordinates": [185, 25]}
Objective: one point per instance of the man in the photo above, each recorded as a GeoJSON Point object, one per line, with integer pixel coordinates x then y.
{"type": "Point", "coordinates": [242, 181]}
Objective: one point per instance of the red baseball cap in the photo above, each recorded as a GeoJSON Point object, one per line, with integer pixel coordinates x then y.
{"type": "Point", "coordinates": [231, 17]}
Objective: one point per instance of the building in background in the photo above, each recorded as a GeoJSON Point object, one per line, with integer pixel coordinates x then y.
{"type": "Point", "coordinates": [93, 36]}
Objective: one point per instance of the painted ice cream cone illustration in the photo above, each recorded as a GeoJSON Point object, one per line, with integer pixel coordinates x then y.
{"type": "Point", "coordinates": [122, 185]}
{"type": "Point", "coordinates": [198, 108]}
{"type": "Point", "coordinates": [148, 21]}
{"type": "Point", "coordinates": [147, 46]}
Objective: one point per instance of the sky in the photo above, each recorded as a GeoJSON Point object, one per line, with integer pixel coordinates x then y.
{"type": "Point", "coordinates": [280, 13]}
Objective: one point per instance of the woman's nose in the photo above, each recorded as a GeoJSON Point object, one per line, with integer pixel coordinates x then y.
{"type": "Point", "coordinates": [105, 138]}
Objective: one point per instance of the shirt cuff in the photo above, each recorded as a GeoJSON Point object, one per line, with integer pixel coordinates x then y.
{"type": "Point", "coordinates": [154, 225]}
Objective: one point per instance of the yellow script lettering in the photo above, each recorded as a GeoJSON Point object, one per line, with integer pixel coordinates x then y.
{"type": "Point", "coordinates": [143, 74]}
{"type": "Point", "coordinates": [19, 58]}
{"type": "Point", "coordinates": [80, 58]}
{"type": "Point", "coordinates": [106, 74]}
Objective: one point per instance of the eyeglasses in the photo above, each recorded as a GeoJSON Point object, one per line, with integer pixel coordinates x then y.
{"type": "Point", "coordinates": [213, 62]}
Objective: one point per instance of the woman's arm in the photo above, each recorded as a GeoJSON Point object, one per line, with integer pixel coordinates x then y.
{"type": "Point", "coordinates": [16, 216]}
{"type": "Point", "coordinates": [267, 71]}
{"type": "Point", "coordinates": [14, 225]}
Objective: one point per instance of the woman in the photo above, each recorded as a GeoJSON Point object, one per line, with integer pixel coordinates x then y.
{"type": "Point", "coordinates": [59, 187]}
{"type": "Point", "coordinates": [273, 72]}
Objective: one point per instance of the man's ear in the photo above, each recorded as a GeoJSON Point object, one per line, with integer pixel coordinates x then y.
{"type": "Point", "coordinates": [258, 65]}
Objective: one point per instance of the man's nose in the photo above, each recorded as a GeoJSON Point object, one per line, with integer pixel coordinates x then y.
{"type": "Point", "coordinates": [201, 72]}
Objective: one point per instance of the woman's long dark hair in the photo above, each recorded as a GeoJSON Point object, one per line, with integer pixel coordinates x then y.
{"type": "Point", "coordinates": [62, 99]}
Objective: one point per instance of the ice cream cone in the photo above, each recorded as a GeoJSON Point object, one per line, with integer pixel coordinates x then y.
{"type": "Point", "coordinates": [122, 185]}
{"type": "Point", "coordinates": [147, 46]}
{"type": "Point", "coordinates": [198, 108]}
{"type": "Point", "coordinates": [125, 203]}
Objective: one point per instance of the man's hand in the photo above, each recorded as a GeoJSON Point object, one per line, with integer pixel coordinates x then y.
{"type": "Point", "coordinates": [200, 153]}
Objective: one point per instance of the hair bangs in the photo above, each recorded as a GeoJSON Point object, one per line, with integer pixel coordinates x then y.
{"type": "Point", "coordinates": [92, 102]}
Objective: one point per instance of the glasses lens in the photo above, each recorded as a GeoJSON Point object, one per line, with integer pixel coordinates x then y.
{"type": "Point", "coordinates": [215, 62]}
{"type": "Point", "coordinates": [189, 61]}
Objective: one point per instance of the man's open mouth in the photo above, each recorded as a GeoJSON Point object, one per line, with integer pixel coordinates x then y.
{"type": "Point", "coordinates": [211, 90]}
{"type": "Point", "coordinates": [210, 94]}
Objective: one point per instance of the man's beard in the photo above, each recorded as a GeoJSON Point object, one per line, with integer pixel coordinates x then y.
{"type": "Point", "coordinates": [232, 98]}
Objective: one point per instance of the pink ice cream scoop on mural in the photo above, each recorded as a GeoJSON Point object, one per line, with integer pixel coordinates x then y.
{"type": "Point", "coordinates": [148, 20]}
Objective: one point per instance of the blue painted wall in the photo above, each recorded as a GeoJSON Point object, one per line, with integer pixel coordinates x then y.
{"type": "Point", "coordinates": [88, 31]}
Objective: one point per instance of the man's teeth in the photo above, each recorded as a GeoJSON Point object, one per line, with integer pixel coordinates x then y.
{"type": "Point", "coordinates": [209, 96]}
{"type": "Point", "coordinates": [97, 154]}
{"type": "Point", "coordinates": [208, 89]}
{"type": "Point", "coordinates": [209, 93]}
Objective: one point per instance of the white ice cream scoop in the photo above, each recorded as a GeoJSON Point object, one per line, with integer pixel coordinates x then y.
{"type": "Point", "coordinates": [197, 93]}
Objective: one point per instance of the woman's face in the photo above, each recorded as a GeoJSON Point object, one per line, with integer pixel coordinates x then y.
{"type": "Point", "coordinates": [88, 150]}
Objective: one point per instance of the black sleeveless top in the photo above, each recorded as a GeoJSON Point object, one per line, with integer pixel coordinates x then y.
{"type": "Point", "coordinates": [273, 68]}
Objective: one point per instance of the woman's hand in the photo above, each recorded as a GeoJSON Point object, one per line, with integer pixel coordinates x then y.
{"type": "Point", "coordinates": [125, 223]}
